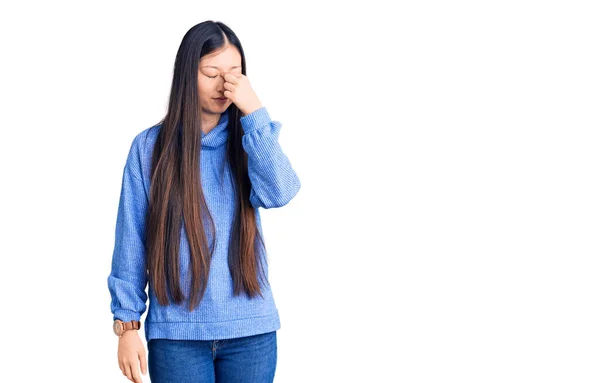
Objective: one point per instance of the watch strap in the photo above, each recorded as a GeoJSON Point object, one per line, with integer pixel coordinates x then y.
{"type": "Point", "coordinates": [131, 325]}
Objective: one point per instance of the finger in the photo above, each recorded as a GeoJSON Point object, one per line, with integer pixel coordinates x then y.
{"type": "Point", "coordinates": [144, 363]}
{"type": "Point", "coordinates": [128, 371]}
{"type": "Point", "coordinates": [231, 78]}
{"type": "Point", "coordinates": [227, 93]}
{"type": "Point", "coordinates": [135, 372]}
{"type": "Point", "coordinates": [228, 86]}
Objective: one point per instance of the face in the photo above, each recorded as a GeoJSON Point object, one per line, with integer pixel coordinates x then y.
{"type": "Point", "coordinates": [211, 70]}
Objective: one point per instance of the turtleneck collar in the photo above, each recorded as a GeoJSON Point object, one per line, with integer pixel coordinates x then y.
{"type": "Point", "coordinates": [218, 135]}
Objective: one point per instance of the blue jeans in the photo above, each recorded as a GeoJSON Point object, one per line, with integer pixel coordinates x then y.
{"type": "Point", "coordinates": [249, 359]}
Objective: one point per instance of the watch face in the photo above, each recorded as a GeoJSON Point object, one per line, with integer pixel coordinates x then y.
{"type": "Point", "coordinates": [117, 327]}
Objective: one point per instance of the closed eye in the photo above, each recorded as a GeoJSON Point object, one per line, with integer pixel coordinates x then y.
{"type": "Point", "coordinates": [212, 76]}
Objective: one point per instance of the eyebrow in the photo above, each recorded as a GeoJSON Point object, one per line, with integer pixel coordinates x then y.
{"type": "Point", "coordinates": [211, 66]}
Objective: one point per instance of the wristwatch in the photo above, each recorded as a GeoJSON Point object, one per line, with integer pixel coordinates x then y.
{"type": "Point", "coordinates": [119, 327]}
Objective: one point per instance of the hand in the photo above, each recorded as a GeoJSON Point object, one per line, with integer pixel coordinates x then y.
{"type": "Point", "coordinates": [131, 350]}
{"type": "Point", "coordinates": [238, 89]}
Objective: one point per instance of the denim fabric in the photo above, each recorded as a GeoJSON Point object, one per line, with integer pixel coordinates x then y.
{"type": "Point", "coordinates": [250, 359]}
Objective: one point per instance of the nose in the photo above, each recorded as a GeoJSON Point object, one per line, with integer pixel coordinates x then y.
{"type": "Point", "coordinates": [221, 82]}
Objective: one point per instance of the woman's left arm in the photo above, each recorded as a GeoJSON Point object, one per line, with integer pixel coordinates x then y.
{"type": "Point", "coordinates": [274, 181]}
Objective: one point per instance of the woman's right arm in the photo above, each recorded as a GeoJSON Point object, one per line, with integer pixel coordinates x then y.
{"type": "Point", "coordinates": [127, 280]}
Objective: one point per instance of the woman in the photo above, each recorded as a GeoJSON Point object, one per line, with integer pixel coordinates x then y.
{"type": "Point", "coordinates": [188, 225]}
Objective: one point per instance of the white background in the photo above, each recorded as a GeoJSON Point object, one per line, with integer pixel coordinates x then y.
{"type": "Point", "coordinates": [447, 225]}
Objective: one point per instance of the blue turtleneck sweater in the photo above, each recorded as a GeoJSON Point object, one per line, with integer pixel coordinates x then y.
{"type": "Point", "coordinates": [220, 315]}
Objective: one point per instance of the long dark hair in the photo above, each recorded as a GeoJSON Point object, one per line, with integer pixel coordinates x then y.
{"type": "Point", "coordinates": [176, 196]}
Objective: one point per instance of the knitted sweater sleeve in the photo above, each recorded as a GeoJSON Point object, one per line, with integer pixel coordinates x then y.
{"type": "Point", "coordinates": [274, 181]}
{"type": "Point", "coordinates": [127, 280]}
